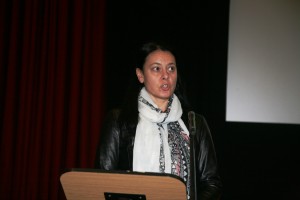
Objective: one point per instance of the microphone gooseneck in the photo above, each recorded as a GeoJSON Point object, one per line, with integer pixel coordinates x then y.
{"type": "Point", "coordinates": [192, 129]}
{"type": "Point", "coordinates": [192, 122]}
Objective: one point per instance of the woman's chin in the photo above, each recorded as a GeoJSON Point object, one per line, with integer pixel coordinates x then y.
{"type": "Point", "coordinates": [166, 95]}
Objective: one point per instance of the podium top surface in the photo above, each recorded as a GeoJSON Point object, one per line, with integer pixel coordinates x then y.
{"type": "Point", "coordinates": [92, 184]}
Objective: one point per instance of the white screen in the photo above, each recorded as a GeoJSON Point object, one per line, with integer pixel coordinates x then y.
{"type": "Point", "coordinates": [263, 80]}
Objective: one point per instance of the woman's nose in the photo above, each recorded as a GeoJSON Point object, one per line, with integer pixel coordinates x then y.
{"type": "Point", "coordinates": [165, 74]}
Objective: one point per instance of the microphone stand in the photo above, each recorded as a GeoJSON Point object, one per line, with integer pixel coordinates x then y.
{"type": "Point", "coordinates": [192, 129]}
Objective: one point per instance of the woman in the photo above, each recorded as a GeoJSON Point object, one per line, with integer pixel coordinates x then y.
{"type": "Point", "coordinates": [150, 133]}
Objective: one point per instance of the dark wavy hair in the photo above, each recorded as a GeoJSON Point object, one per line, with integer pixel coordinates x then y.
{"type": "Point", "coordinates": [129, 110]}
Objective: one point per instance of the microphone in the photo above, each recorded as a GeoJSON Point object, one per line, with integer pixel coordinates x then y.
{"type": "Point", "coordinates": [192, 122]}
{"type": "Point", "coordinates": [192, 127]}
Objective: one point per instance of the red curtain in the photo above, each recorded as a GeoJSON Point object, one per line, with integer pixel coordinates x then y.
{"type": "Point", "coordinates": [51, 103]}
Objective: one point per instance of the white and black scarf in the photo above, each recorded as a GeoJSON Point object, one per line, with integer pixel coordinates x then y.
{"type": "Point", "coordinates": [162, 139]}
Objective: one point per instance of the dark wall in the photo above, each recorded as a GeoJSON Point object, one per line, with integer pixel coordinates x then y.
{"type": "Point", "coordinates": [257, 161]}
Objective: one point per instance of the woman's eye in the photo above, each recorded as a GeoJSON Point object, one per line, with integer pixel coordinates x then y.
{"type": "Point", "coordinates": [172, 68]}
{"type": "Point", "coordinates": [155, 68]}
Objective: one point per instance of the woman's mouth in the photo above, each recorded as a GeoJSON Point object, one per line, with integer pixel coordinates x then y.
{"type": "Point", "coordinates": [165, 87]}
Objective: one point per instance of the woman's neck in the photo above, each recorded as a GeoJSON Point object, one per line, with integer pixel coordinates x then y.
{"type": "Point", "coordinates": [161, 104]}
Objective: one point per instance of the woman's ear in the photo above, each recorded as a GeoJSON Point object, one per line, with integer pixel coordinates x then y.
{"type": "Point", "coordinates": [140, 75]}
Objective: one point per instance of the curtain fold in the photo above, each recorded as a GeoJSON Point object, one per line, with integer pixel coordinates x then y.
{"type": "Point", "coordinates": [51, 92]}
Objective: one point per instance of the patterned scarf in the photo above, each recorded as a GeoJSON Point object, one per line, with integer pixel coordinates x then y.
{"type": "Point", "coordinates": [162, 139]}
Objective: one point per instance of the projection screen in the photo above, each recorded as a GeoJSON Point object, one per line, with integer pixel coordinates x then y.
{"type": "Point", "coordinates": [263, 78]}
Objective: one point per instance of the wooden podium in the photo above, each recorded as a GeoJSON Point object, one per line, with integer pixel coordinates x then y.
{"type": "Point", "coordinates": [92, 184]}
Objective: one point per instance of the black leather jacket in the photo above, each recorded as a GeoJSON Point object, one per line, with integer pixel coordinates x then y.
{"type": "Point", "coordinates": [115, 152]}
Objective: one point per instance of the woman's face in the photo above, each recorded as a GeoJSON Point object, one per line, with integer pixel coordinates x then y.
{"type": "Point", "coordinates": [159, 76]}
